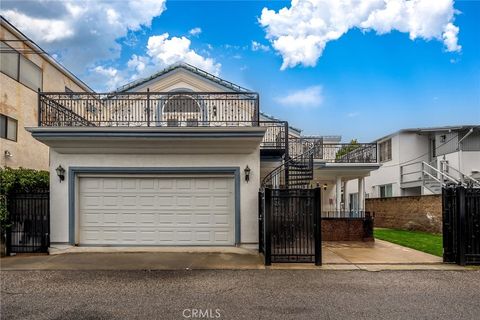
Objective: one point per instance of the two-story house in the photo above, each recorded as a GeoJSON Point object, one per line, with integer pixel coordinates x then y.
{"type": "Point", "coordinates": [418, 161]}
{"type": "Point", "coordinates": [178, 158]}
{"type": "Point", "coordinates": [26, 69]}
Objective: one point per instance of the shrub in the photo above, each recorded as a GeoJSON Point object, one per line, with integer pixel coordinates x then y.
{"type": "Point", "coordinates": [347, 149]}
{"type": "Point", "coordinates": [19, 180]}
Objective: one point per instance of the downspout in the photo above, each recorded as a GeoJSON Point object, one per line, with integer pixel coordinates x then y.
{"type": "Point", "coordinates": [460, 154]}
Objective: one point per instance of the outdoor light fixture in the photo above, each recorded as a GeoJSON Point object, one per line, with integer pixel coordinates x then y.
{"type": "Point", "coordinates": [8, 154]}
{"type": "Point", "coordinates": [325, 186]}
{"type": "Point", "coordinates": [247, 173]}
{"type": "Point", "coordinates": [60, 173]}
{"type": "Point", "coordinates": [214, 111]}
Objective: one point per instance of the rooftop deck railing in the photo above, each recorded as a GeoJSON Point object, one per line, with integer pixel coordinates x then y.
{"type": "Point", "coordinates": [160, 109]}
{"type": "Point", "coordinates": [334, 152]}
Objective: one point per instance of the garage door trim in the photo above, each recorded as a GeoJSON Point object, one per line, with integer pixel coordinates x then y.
{"type": "Point", "coordinates": [74, 171]}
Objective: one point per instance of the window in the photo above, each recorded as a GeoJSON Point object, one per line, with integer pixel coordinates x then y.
{"type": "Point", "coordinates": [16, 66]}
{"type": "Point", "coordinates": [9, 61]}
{"type": "Point", "coordinates": [30, 74]}
{"type": "Point", "coordinates": [386, 191]}
{"type": "Point", "coordinates": [385, 150]}
{"type": "Point", "coordinates": [8, 128]}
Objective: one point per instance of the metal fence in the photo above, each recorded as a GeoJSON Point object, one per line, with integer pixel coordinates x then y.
{"type": "Point", "coordinates": [157, 109]}
{"type": "Point", "coordinates": [290, 225]}
{"type": "Point", "coordinates": [29, 220]}
{"type": "Point", "coordinates": [334, 152]}
{"type": "Point", "coordinates": [461, 225]}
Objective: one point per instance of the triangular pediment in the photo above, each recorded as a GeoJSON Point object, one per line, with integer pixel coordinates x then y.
{"type": "Point", "coordinates": [182, 77]}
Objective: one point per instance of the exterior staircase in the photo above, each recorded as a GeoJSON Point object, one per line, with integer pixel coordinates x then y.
{"type": "Point", "coordinates": [433, 185]}
{"type": "Point", "coordinates": [293, 173]}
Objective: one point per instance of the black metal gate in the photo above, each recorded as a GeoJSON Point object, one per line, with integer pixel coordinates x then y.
{"type": "Point", "coordinates": [461, 225]}
{"type": "Point", "coordinates": [29, 219]}
{"type": "Point", "coordinates": [290, 225]}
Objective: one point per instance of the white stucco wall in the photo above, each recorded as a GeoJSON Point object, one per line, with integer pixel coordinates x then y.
{"type": "Point", "coordinates": [406, 148]}
{"type": "Point", "coordinates": [59, 203]}
{"type": "Point", "coordinates": [470, 163]}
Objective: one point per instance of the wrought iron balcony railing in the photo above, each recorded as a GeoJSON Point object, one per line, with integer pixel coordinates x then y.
{"type": "Point", "coordinates": [334, 152]}
{"type": "Point", "coordinates": [160, 109]}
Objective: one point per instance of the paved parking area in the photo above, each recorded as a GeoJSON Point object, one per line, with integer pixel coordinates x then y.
{"type": "Point", "coordinates": [247, 294]}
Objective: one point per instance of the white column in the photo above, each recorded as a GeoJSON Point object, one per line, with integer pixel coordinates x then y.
{"type": "Point", "coordinates": [361, 194]}
{"type": "Point", "coordinates": [338, 193]}
{"type": "Point", "coordinates": [345, 196]}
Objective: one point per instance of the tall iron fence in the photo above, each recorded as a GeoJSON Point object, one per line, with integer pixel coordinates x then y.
{"type": "Point", "coordinates": [290, 225]}
{"type": "Point", "coordinates": [29, 222]}
{"type": "Point", "coordinates": [461, 225]}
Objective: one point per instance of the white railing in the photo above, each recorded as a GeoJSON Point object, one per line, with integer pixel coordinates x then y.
{"type": "Point", "coordinates": [463, 177]}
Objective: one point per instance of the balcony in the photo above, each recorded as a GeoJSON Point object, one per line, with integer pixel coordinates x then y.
{"type": "Point", "coordinates": [333, 152]}
{"type": "Point", "coordinates": [161, 109]}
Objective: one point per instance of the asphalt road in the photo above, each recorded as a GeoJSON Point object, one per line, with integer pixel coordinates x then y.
{"type": "Point", "coordinates": [260, 294]}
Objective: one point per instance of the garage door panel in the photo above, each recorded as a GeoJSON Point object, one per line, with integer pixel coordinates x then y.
{"type": "Point", "coordinates": [156, 211]}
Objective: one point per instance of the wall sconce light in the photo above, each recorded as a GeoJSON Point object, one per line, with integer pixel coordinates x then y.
{"type": "Point", "coordinates": [325, 186]}
{"type": "Point", "coordinates": [8, 154]}
{"type": "Point", "coordinates": [214, 111]}
{"type": "Point", "coordinates": [60, 173]}
{"type": "Point", "coordinates": [247, 173]}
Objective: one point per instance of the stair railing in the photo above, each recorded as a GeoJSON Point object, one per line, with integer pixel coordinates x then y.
{"type": "Point", "coordinates": [472, 181]}
{"type": "Point", "coordinates": [426, 166]}
{"type": "Point", "coordinates": [274, 178]}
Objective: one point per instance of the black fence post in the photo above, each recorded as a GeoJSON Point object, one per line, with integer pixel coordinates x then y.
{"type": "Point", "coordinates": [261, 218]}
{"type": "Point", "coordinates": [39, 101]}
{"type": "Point", "coordinates": [461, 225]}
{"type": "Point", "coordinates": [148, 107]}
{"type": "Point", "coordinates": [317, 218]}
{"type": "Point", "coordinates": [268, 227]}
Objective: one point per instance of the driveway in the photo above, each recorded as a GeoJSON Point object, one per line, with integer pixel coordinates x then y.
{"type": "Point", "coordinates": [336, 255]}
{"type": "Point", "coordinates": [247, 294]}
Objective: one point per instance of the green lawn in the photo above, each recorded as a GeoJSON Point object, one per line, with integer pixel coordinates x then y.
{"type": "Point", "coordinates": [422, 241]}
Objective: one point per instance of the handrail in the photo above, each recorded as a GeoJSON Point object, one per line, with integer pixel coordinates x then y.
{"type": "Point", "coordinates": [438, 171]}
{"type": "Point", "coordinates": [475, 181]}
{"type": "Point", "coordinates": [278, 169]}
{"type": "Point", "coordinates": [434, 178]}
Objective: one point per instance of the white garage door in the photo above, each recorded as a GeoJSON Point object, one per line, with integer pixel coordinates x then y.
{"type": "Point", "coordinates": [156, 211]}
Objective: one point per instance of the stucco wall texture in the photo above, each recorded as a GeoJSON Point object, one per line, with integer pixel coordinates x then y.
{"type": "Point", "coordinates": [419, 213]}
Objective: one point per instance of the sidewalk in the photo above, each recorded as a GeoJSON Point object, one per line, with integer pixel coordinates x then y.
{"type": "Point", "coordinates": [380, 255]}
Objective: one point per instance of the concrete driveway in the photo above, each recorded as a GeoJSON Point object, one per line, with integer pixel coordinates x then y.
{"type": "Point", "coordinates": [244, 294]}
{"type": "Point", "coordinates": [380, 255]}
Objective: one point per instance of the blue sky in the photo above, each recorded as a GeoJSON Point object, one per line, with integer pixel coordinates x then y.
{"type": "Point", "coordinates": [360, 84]}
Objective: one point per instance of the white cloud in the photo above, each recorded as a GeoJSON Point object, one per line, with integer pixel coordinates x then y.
{"type": "Point", "coordinates": [164, 51]}
{"type": "Point", "coordinates": [306, 98]}
{"type": "Point", "coordinates": [81, 32]}
{"type": "Point", "coordinates": [256, 46]}
{"type": "Point", "coordinates": [195, 31]}
{"type": "Point", "coordinates": [300, 33]}
{"type": "Point", "coordinates": [110, 76]}
{"type": "Point", "coordinates": [353, 114]}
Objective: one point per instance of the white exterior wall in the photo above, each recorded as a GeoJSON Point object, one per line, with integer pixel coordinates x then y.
{"type": "Point", "coordinates": [470, 163]}
{"type": "Point", "coordinates": [59, 204]}
{"type": "Point", "coordinates": [406, 148]}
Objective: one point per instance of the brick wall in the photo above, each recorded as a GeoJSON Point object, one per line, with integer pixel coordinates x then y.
{"type": "Point", "coordinates": [344, 229]}
{"type": "Point", "coordinates": [421, 213]}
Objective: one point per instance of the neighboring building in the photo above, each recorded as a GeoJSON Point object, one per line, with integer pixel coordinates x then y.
{"type": "Point", "coordinates": [25, 69]}
{"type": "Point", "coordinates": [417, 161]}
{"type": "Point", "coordinates": [178, 159]}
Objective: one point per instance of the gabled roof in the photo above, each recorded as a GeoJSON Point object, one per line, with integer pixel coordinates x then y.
{"type": "Point", "coordinates": [188, 67]}
{"type": "Point", "coordinates": [37, 50]}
